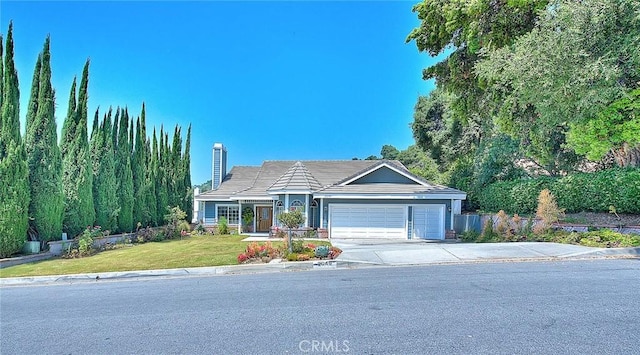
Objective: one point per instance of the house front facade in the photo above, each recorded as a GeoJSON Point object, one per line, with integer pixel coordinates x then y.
{"type": "Point", "coordinates": [368, 199]}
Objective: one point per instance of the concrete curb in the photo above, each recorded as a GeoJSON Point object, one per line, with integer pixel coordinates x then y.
{"type": "Point", "coordinates": [600, 253]}
{"type": "Point", "coordinates": [181, 272]}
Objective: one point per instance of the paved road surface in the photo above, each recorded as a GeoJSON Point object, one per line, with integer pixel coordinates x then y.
{"type": "Point", "coordinates": [576, 307]}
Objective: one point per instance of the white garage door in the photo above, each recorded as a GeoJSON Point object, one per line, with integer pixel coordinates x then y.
{"type": "Point", "coordinates": [428, 222]}
{"type": "Point", "coordinates": [367, 221]}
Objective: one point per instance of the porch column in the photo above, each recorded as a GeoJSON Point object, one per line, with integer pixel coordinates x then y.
{"type": "Point", "coordinates": [306, 212]}
{"type": "Point", "coordinates": [286, 202]}
{"type": "Point", "coordinates": [321, 212]}
{"type": "Point", "coordinates": [239, 217]}
{"type": "Point", "coordinates": [273, 214]}
{"type": "Point", "coordinates": [451, 213]}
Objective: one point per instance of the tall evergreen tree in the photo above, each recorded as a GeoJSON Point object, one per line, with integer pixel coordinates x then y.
{"type": "Point", "coordinates": [14, 175]}
{"type": "Point", "coordinates": [150, 184]}
{"type": "Point", "coordinates": [10, 97]}
{"type": "Point", "coordinates": [140, 164]}
{"type": "Point", "coordinates": [69, 173]}
{"type": "Point", "coordinates": [76, 162]}
{"type": "Point", "coordinates": [104, 188]}
{"type": "Point", "coordinates": [1, 77]}
{"type": "Point", "coordinates": [123, 174]}
{"type": "Point", "coordinates": [85, 177]}
{"type": "Point", "coordinates": [43, 156]}
{"type": "Point", "coordinates": [176, 169]}
{"type": "Point", "coordinates": [186, 166]}
{"type": "Point", "coordinates": [32, 109]}
{"type": "Point", "coordinates": [160, 179]}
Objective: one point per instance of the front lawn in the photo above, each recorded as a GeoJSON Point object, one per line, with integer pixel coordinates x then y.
{"type": "Point", "coordinates": [194, 251]}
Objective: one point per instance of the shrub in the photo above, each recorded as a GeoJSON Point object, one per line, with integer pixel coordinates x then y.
{"type": "Point", "coordinates": [303, 257]}
{"type": "Point", "coordinates": [242, 257]}
{"type": "Point", "coordinates": [83, 244]}
{"type": "Point", "coordinates": [321, 251]}
{"type": "Point", "coordinates": [488, 234]}
{"type": "Point", "coordinates": [470, 236]}
{"type": "Point", "coordinates": [292, 257]}
{"type": "Point", "coordinates": [263, 252]}
{"type": "Point", "coordinates": [200, 229]}
{"type": "Point", "coordinates": [334, 252]}
{"type": "Point", "coordinates": [547, 212]}
{"type": "Point", "coordinates": [223, 226]}
{"type": "Point", "coordinates": [575, 192]}
{"type": "Point", "coordinates": [503, 227]}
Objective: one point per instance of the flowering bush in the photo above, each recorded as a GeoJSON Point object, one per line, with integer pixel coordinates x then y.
{"type": "Point", "coordinates": [242, 257]}
{"type": "Point", "coordinates": [334, 252]}
{"type": "Point", "coordinates": [263, 252]}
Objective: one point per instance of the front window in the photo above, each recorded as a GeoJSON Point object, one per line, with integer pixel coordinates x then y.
{"type": "Point", "coordinates": [231, 213]}
{"type": "Point", "coordinates": [296, 205]}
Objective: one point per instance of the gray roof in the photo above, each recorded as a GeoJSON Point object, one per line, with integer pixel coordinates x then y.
{"type": "Point", "coordinates": [297, 178]}
{"type": "Point", "coordinates": [323, 176]}
{"type": "Point", "coordinates": [389, 189]}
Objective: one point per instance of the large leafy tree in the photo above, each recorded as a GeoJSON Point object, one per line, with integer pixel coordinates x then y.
{"type": "Point", "coordinates": [43, 156]}
{"type": "Point", "coordinates": [14, 175]}
{"type": "Point", "coordinates": [453, 121]}
{"type": "Point", "coordinates": [572, 74]}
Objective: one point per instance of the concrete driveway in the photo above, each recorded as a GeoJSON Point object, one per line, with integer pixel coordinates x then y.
{"type": "Point", "coordinates": [414, 252]}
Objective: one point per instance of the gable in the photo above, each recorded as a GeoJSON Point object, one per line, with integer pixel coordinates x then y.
{"type": "Point", "coordinates": [383, 175]}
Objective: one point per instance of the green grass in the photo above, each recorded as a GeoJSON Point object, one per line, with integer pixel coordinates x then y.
{"type": "Point", "coordinates": [194, 251]}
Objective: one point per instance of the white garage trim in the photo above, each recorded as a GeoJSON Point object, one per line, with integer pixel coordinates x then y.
{"type": "Point", "coordinates": [367, 221]}
{"type": "Point", "coordinates": [428, 222]}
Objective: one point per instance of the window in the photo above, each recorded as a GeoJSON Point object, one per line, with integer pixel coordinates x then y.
{"type": "Point", "coordinates": [279, 209]}
{"type": "Point", "coordinates": [231, 213]}
{"type": "Point", "coordinates": [296, 205]}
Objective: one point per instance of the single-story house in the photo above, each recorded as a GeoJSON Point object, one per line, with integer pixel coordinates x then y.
{"type": "Point", "coordinates": [339, 198]}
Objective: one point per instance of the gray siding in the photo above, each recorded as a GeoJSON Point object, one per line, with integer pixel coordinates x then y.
{"type": "Point", "coordinates": [209, 212]}
{"type": "Point", "coordinates": [384, 175]}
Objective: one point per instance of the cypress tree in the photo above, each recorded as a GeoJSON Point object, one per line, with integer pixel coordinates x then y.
{"type": "Point", "coordinates": [85, 176]}
{"type": "Point", "coordinates": [141, 211]}
{"type": "Point", "coordinates": [176, 169]}
{"type": "Point", "coordinates": [76, 162]}
{"type": "Point", "coordinates": [150, 184]}
{"type": "Point", "coordinates": [104, 188]}
{"type": "Point", "coordinates": [43, 157]}
{"type": "Point", "coordinates": [161, 181]}
{"type": "Point", "coordinates": [14, 175]}
{"type": "Point", "coordinates": [69, 167]}
{"type": "Point", "coordinates": [32, 109]}
{"type": "Point", "coordinates": [1, 77]}
{"type": "Point", "coordinates": [186, 167]}
{"type": "Point", "coordinates": [10, 97]}
{"type": "Point", "coordinates": [123, 174]}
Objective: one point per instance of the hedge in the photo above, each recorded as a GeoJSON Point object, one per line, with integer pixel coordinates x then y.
{"type": "Point", "coordinates": [576, 192]}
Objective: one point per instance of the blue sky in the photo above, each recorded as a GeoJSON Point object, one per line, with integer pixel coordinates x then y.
{"type": "Point", "coordinates": [270, 80]}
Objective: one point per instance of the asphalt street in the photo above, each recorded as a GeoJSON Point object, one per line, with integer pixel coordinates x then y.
{"type": "Point", "coordinates": [562, 307]}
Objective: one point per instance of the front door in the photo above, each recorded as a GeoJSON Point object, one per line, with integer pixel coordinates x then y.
{"type": "Point", "coordinates": [264, 216]}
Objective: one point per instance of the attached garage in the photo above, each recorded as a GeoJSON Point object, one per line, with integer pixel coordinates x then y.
{"type": "Point", "coordinates": [367, 221]}
{"type": "Point", "coordinates": [428, 222]}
